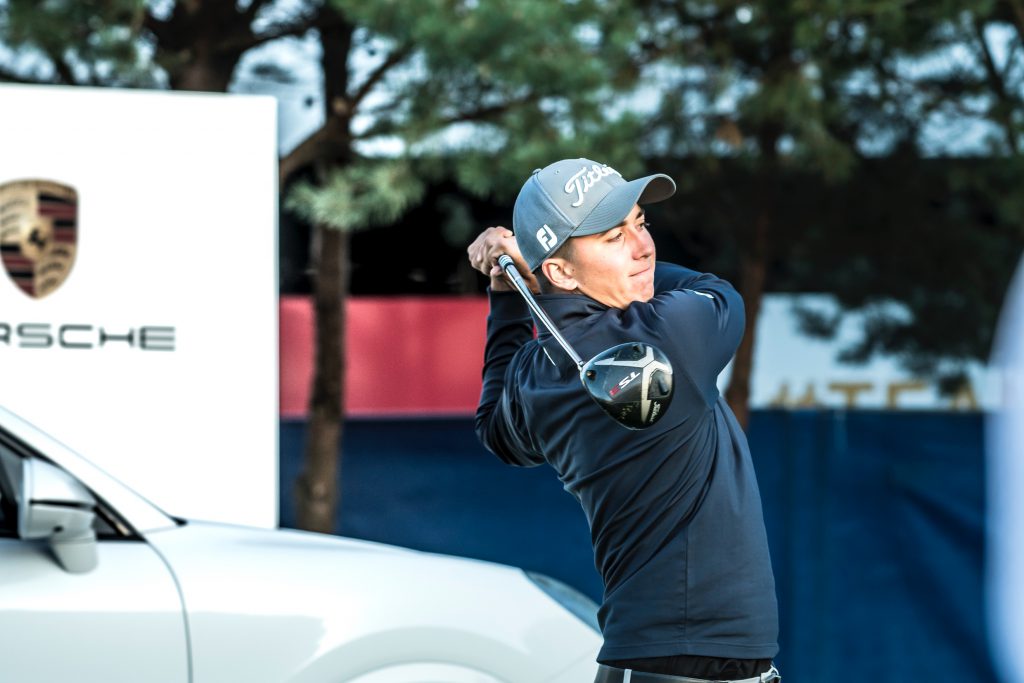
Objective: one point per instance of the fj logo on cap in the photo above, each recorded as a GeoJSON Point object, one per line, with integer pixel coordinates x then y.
{"type": "Point", "coordinates": [585, 178]}
{"type": "Point", "coordinates": [546, 237]}
{"type": "Point", "coordinates": [38, 233]}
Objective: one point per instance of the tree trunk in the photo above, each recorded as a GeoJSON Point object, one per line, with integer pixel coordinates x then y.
{"type": "Point", "coordinates": [755, 255]}
{"type": "Point", "coordinates": [317, 489]}
{"type": "Point", "coordinates": [211, 75]}
{"type": "Point", "coordinates": [753, 269]}
{"type": "Point", "coordinates": [317, 496]}
{"type": "Point", "coordinates": [201, 43]}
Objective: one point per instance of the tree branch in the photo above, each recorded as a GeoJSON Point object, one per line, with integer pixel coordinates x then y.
{"type": "Point", "coordinates": [487, 113]}
{"type": "Point", "coordinates": [385, 108]}
{"type": "Point", "coordinates": [474, 115]}
{"type": "Point", "coordinates": [397, 56]}
{"type": "Point", "coordinates": [65, 75]}
{"type": "Point", "coordinates": [1011, 59]}
{"type": "Point", "coordinates": [304, 154]}
{"type": "Point", "coordinates": [330, 142]}
{"type": "Point", "coordinates": [998, 88]}
{"type": "Point", "coordinates": [295, 28]}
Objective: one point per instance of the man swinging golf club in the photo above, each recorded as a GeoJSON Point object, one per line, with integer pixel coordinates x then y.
{"type": "Point", "coordinates": [673, 504]}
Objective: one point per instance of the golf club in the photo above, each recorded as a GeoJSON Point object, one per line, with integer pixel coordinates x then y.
{"type": "Point", "coordinates": [610, 376]}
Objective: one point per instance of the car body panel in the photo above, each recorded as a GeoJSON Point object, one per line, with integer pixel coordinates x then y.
{"type": "Point", "coordinates": [315, 607]}
{"type": "Point", "coordinates": [121, 622]}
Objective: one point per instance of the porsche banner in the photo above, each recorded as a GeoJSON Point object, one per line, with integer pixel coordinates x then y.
{"type": "Point", "coordinates": [138, 302]}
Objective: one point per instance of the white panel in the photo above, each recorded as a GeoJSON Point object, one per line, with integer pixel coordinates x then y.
{"type": "Point", "coordinates": [793, 370]}
{"type": "Point", "coordinates": [177, 228]}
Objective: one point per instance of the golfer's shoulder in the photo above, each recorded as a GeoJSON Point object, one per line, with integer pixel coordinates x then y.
{"type": "Point", "coordinates": [670, 277]}
{"type": "Point", "coordinates": [701, 328]}
{"type": "Point", "coordinates": [698, 308]}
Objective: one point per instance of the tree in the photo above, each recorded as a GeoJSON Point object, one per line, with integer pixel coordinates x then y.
{"type": "Point", "coordinates": [185, 45]}
{"type": "Point", "coordinates": [934, 249]}
{"type": "Point", "coordinates": [926, 254]}
{"type": "Point", "coordinates": [746, 82]}
{"type": "Point", "coordinates": [71, 43]}
{"type": "Point", "coordinates": [764, 100]}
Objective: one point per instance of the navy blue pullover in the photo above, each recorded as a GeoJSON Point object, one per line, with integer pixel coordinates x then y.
{"type": "Point", "coordinates": [674, 510]}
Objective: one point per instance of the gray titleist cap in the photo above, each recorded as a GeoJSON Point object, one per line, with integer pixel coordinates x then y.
{"type": "Point", "coordinates": [576, 197]}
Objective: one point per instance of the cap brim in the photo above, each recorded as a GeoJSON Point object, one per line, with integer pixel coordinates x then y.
{"type": "Point", "coordinates": [617, 204]}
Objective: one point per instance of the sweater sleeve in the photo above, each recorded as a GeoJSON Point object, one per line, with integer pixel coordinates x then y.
{"type": "Point", "coordinates": [499, 421]}
{"type": "Point", "coordinates": [702, 315]}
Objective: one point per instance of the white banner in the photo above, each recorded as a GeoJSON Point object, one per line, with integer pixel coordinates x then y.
{"type": "Point", "coordinates": [138, 309]}
{"type": "Point", "coordinates": [793, 370]}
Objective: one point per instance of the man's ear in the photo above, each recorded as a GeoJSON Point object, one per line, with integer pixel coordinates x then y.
{"type": "Point", "coordinates": [560, 273]}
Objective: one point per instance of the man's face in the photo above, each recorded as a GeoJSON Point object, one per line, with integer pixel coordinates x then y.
{"type": "Point", "coordinates": [616, 267]}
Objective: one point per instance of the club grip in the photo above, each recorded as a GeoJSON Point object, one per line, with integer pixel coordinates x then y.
{"type": "Point", "coordinates": [509, 266]}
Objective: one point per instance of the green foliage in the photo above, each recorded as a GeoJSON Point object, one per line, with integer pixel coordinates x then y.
{"type": "Point", "coordinates": [929, 238]}
{"type": "Point", "coordinates": [458, 227]}
{"type": "Point", "coordinates": [495, 87]}
{"type": "Point", "coordinates": [89, 43]}
{"type": "Point", "coordinates": [358, 196]}
{"type": "Point", "coordinates": [821, 118]}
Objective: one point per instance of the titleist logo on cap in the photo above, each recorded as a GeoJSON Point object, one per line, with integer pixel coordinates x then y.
{"type": "Point", "coordinates": [584, 179]}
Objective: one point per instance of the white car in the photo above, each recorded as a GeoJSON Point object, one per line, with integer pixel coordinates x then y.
{"type": "Point", "coordinates": [97, 584]}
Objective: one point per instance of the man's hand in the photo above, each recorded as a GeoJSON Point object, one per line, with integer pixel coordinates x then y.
{"type": "Point", "coordinates": [484, 252]}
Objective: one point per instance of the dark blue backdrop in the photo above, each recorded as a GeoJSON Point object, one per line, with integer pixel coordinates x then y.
{"type": "Point", "coordinates": [875, 521]}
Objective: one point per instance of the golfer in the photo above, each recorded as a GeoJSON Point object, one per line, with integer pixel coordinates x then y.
{"type": "Point", "coordinates": [674, 510]}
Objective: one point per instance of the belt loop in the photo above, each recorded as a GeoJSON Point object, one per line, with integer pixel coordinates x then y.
{"type": "Point", "coordinates": [627, 675]}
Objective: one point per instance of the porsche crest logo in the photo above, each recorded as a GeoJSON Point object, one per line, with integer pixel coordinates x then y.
{"type": "Point", "coordinates": [38, 234]}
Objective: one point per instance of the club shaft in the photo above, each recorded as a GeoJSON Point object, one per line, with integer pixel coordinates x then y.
{"type": "Point", "coordinates": [506, 263]}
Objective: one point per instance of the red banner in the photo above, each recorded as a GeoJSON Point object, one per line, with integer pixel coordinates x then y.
{"type": "Point", "coordinates": [404, 355]}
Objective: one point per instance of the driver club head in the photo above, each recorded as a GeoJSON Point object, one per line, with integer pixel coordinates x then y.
{"type": "Point", "coordinates": [631, 382]}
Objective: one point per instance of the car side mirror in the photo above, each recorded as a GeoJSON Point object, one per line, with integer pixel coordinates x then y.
{"type": "Point", "coordinates": [54, 505]}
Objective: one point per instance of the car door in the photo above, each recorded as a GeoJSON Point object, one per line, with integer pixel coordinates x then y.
{"type": "Point", "coordinates": [120, 621]}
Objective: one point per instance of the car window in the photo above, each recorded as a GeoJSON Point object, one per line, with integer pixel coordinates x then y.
{"type": "Point", "coordinates": [10, 472]}
{"type": "Point", "coordinates": [106, 524]}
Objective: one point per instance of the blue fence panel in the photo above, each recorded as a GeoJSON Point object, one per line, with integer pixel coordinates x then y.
{"type": "Point", "coordinates": [875, 521]}
{"type": "Point", "coordinates": [429, 485]}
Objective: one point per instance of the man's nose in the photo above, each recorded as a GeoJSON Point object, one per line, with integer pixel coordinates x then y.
{"type": "Point", "coordinates": [643, 245]}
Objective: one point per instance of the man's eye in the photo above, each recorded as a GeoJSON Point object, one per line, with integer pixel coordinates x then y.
{"type": "Point", "coordinates": [646, 225]}
{"type": "Point", "coordinates": [615, 238]}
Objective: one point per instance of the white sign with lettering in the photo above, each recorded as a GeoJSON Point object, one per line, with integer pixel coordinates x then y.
{"type": "Point", "coordinates": [793, 370]}
{"type": "Point", "coordinates": [138, 302]}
